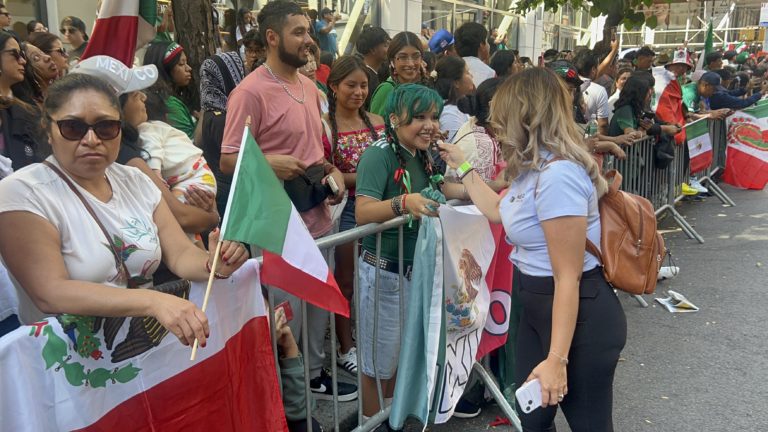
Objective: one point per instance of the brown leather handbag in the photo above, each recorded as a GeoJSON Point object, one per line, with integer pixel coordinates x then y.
{"type": "Point", "coordinates": [632, 248]}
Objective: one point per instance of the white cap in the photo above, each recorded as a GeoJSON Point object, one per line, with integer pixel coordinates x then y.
{"type": "Point", "coordinates": [681, 57]}
{"type": "Point", "coordinates": [122, 78]}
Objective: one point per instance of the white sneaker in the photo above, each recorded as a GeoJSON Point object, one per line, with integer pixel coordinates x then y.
{"type": "Point", "coordinates": [668, 272]}
{"type": "Point", "coordinates": [694, 183]}
{"type": "Point", "coordinates": [348, 361]}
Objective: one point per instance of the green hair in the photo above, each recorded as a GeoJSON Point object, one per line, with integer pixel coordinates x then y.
{"type": "Point", "coordinates": [409, 100]}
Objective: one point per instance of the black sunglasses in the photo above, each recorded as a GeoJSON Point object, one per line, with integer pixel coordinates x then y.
{"type": "Point", "coordinates": [61, 51]}
{"type": "Point", "coordinates": [17, 54]}
{"type": "Point", "coordinates": [75, 130]}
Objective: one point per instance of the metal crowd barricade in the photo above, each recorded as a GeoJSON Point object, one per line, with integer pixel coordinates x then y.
{"type": "Point", "coordinates": [326, 245]}
{"type": "Point", "coordinates": [718, 132]}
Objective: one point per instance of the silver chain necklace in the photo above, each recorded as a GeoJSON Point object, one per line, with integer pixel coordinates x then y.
{"type": "Point", "coordinates": [285, 87]}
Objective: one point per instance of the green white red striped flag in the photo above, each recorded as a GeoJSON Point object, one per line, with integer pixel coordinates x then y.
{"type": "Point", "coordinates": [122, 27]}
{"type": "Point", "coordinates": [699, 145]}
{"type": "Point", "coordinates": [79, 373]}
{"type": "Point", "coordinates": [746, 164]}
{"type": "Point", "coordinates": [260, 213]}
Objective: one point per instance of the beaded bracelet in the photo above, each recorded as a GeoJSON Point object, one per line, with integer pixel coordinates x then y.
{"type": "Point", "coordinates": [217, 275]}
{"type": "Point", "coordinates": [396, 205]}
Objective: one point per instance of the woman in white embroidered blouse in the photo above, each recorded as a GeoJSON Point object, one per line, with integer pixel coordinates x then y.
{"type": "Point", "coordinates": [57, 254]}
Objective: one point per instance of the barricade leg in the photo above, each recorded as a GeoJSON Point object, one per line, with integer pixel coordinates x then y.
{"type": "Point", "coordinates": [493, 388]}
{"type": "Point", "coordinates": [680, 220]}
{"type": "Point", "coordinates": [641, 300]}
{"type": "Point", "coordinates": [677, 176]}
{"type": "Point", "coordinates": [717, 191]}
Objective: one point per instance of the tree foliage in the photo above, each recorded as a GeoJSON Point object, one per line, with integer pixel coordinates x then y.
{"type": "Point", "coordinates": [626, 12]}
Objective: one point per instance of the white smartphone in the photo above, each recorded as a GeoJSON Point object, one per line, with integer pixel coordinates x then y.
{"type": "Point", "coordinates": [529, 396]}
{"type": "Point", "coordinates": [332, 184]}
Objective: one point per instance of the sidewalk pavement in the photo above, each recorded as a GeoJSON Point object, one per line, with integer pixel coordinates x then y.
{"type": "Point", "coordinates": [696, 372]}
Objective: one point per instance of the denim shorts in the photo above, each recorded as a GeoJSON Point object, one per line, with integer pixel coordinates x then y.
{"type": "Point", "coordinates": [387, 336]}
{"type": "Point", "coordinates": [347, 219]}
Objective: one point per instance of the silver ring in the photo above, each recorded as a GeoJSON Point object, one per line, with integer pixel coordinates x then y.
{"type": "Point", "coordinates": [560, 397]}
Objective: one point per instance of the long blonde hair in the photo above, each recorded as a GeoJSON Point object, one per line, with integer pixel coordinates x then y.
{"type": "Point", "coordinates": [532, 110]}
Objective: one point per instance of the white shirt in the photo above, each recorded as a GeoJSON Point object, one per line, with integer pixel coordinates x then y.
{"type": "Point", "coordinates": [564, 189]}
{"type": "Point", "coordinates": [451, 120]}
{"type": "Point", "coordinates": [612, 104]}
{"type": "Point", "coordinates": [170, 150]}
{"type": "Point", "coordinates": [479, 70]}
{"type": "Point", "coordinates": [596, 100]}
{"type": "Point", "coordinates": [127, 216]}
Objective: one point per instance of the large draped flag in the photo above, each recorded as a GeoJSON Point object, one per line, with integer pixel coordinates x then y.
{"type": "Point", "coordinates": [699, 145]}
{"type": "Point", "coordinates": [447, 323]}
{"type": "Point", "coordinates": [260, 213]}
{"type": "Point", "coordinates": [121, 28]}
{"type": "Point", "coordinates": [129, 374]}
{"type": "Point", "coordinates": [668, 100]}
{"type": "Point", "coordinates": [746, 163]}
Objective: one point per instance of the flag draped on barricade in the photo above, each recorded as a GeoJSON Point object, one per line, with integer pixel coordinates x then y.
{"type": "Point", "coordinates": [746, 163]}
{"type": "Point", "coordinates": [122, 27]}
{"type": "Point", "coordinates": [63, 373]}
{"type": "Point", "coordinates": [260, 213]}
{"type": "Point", "coordinates": [455, 270]}
{"type": "Point", "coordinates": [699, 145]}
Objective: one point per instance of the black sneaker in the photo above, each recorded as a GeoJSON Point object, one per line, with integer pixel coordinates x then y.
{"type": "Point", "coordinates": [322, 388]}
{"type": "Point", "coordinates": [466, 410]}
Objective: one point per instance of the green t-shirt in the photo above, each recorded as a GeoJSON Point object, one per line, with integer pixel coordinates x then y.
{"type": "Point", "coordinates": [376, 179]}
{"type": "Point", "coordinates": [180, 117]}
{"type": "Point", "coordinates": [623, 118]}
{"type": "Point", "coordinates": [691, 97]}
{"type": "Point", "coordinates": [380, 95]}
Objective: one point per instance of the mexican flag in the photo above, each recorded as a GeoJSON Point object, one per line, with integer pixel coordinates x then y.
{"type": "Point", "coordinates": [121, 28]}
{"type": "Point", "coordinates": [699, 145]}
{"type": "Point", "coordinates": [708, 47]}
{"type": "Point", "coordinates": [738, 47]}
{"type": "Point", "coordinates": [260, 213]}
{"type": "Point", "coordinates": [746, 163]}
{"type": "Point", "coordinates": [65, 374]}
{"type": "Point", "coordinates": [668, 101]}
{"type": "Point", "coordinates": [447, 322]}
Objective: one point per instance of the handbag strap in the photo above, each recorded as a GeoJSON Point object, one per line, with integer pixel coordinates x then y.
{"type": "Point", "coordinates": [118, 260]}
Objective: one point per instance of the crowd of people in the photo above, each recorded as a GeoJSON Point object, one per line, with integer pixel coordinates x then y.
{"type": "Point", "coordinates": [152, 159]}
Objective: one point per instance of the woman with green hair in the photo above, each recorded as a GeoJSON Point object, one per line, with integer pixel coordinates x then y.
{"type": "Point", "coordinates": [391, 174]}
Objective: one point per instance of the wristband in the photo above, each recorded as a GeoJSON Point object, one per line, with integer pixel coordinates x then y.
{"type": "Point", "coordinates": [463, 169]}
{"type": "Point", "coordinates": [404, 208]}
{"type": "Point", "coordinates": [217, 275]}
{"type": "Point", "coordinates": [562, 359]}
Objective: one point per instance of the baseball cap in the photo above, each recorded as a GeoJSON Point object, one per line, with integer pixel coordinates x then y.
{"type": "Point", "coordinates": [565, 70]}
{"type": "Point", "coordinates": [122, 78]}
{"type": "Point", "coordinates": [710, 78]}
{"type": "Point", "coordinates": [441, 40]}
{"type": "Point", "coordinates": [681, 57]}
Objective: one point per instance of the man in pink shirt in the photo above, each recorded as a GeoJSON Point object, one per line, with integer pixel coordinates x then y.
{"type": "Point", "coordinates": [284, 107]}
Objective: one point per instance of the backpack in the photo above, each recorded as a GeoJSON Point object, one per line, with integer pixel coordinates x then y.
{"type": "Point", "coordinates": [632, 248]}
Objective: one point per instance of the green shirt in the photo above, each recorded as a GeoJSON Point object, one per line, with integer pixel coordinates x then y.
{"type": "Point", "coordinates": [623, 118]}
{"type": "Point", "coordinates": [376, 179]}
{"type": "Point", "coordinates": [180, 117]}
{"type": "Point", "coordinates": [380, 95]}
{"type": "Point", "coordinates": [691, 97]}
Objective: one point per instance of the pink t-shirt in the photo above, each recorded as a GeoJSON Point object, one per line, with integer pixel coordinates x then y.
{"type": "Point", "coordinates": [280, 126]}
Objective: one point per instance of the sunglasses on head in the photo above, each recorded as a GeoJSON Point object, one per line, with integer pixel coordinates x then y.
{"type": "Point", "coordinates": [75, 129]}
{"type": "Point", "coordinates": [17, 54]}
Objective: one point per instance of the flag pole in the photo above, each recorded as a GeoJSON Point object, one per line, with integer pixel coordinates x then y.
{"type": "Point", "coordinates": [216, 254]}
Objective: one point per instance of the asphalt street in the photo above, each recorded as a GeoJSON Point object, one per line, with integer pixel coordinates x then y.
{"type": "Point", "coordinates": [703, 371]}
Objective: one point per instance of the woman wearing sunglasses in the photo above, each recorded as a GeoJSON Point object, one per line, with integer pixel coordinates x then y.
{"type": "Point", "coordinates": [73, 31]}
{"type": "Point", "coordinates": [21, 139]}
{"type": "Point", "coordinates": [58, 215]}
{"type": "Point", "coordinates": [51, 44]}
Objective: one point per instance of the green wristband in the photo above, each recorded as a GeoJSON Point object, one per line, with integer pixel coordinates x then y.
{"type": "Point", "coordinates": [463, 169]}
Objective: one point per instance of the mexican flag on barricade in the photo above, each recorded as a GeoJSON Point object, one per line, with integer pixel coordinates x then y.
{"type": "Point", "coordinates": [699, 145]}
{"type": "Point", "coordinates": [121, 28]}
{"type": "Point", "coordinates": [746, 163]}
{"type": "Point", "coordinates": [260, 213]}
{"type": "Point", "coordinates": [448, 309]}
{"type": "Point", "coordinates": [65, 374]}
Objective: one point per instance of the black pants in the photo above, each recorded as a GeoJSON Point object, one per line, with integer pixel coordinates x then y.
{"type": "Point", "coordinates": [600, 334]}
